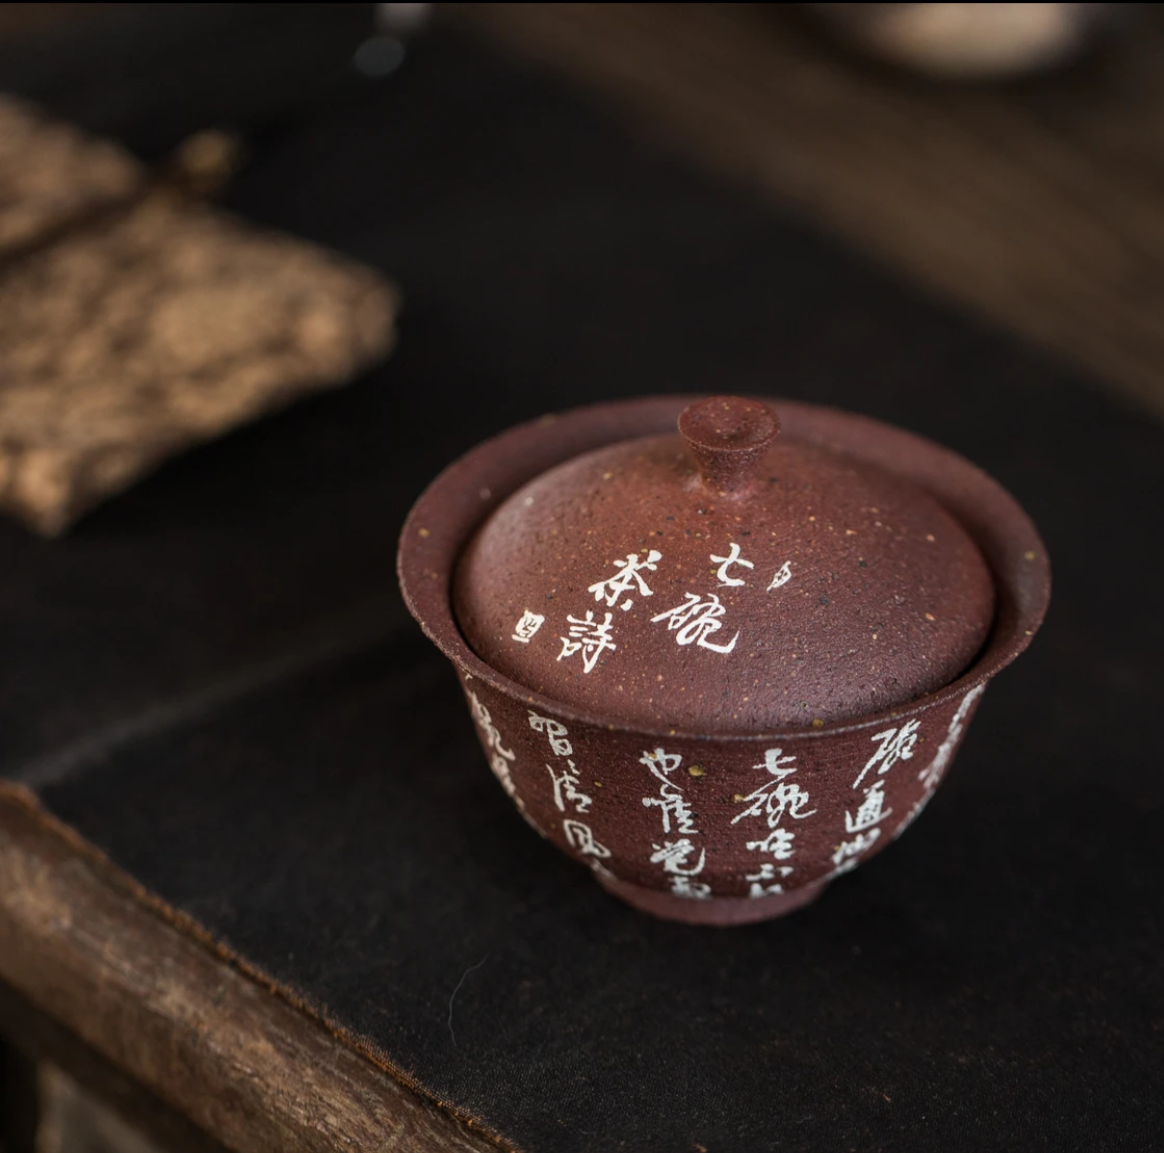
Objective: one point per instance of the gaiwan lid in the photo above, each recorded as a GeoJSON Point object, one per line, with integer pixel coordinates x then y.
{"type": "Point", "coordinates": [724, 580]}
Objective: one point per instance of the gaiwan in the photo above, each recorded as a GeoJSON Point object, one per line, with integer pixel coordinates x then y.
{"type": "Point", "coordinates": [721, 652]}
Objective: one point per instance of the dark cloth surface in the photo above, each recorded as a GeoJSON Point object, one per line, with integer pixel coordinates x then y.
{"type": "Point", "coordinates": [214, 681]}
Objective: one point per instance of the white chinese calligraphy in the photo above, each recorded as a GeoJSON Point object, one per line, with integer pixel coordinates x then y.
{"type": "Point", "coordinates": [566, 789]}
{"type": "Point", "coordinates": [774, 800]}
{"type": "Point", "coordinates": [863, 826]}
{"type": "Point", "coordinates": [871, 812]}
{"type": "Point", "coordinates": [676, 857]}
{"type": "Point", "coordinates": [896, 745]}
{"type": "Point", "coordinates": [846, 854]}
{"type": "Point", "coordinates": [782, 577]}
{"type": "Point", "coordinates": [568, 796]}
{"type": "Point", "coordinates": [696, 620]}
{"type": "Point", "coordinates": [580, 838]}
{"type": "Point", "coordinates": [931, 775]}
{"type": "Point", "coordinates": [555, 731]}
{"type": "Point", "coordinates": [673, 856]}
{"type": "Point", "coordinates": [776, 795]}
{"type": "Point", "coordinates": [588, 636]}
{"type": "Point", "coordinates": [629, 577]}
{"type": "Point", "coordinates": [725, 563]}
{"type": "Point", "coordinates": [670, 801]}
{"type": "Point", "coordinates": [500, 758]}
{"type": "Point", "coordinates": [485, 721]}
{"type": "Point", "coordinates": [760, 886]}
{"type": "Point", "coordinates": [778, 842]}
{"type": "Point", "coordinates": [529, 624]}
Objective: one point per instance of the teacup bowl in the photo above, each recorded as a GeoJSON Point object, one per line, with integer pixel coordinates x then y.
{"type": "Point", "coordinates": [705, 827]}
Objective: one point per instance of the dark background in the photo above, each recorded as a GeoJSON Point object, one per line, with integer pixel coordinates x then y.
{"type": "Point", "coordinates": [212, 679]}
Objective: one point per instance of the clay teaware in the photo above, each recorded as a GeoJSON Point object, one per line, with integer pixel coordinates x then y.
{"type": "Point", "coordinates": [721, 652]}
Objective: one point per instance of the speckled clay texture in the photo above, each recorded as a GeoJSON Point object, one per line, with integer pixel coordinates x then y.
{"type": "Point", "coordinates": [745, 823]}
{"type": "Point", "coordinates": [679, 820]}
{"type": "Point", "coordinates": [828, 591]}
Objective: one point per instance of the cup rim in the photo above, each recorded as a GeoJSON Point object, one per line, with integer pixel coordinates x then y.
{"type": "Point", "coordinates": [454, 505]}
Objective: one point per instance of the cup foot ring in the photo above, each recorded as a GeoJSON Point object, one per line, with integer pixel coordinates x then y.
{"type": "Point", "coordinates": [714, 911]}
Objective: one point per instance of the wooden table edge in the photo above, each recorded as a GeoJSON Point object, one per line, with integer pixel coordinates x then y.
{"type": "Point", "coordinates": [150, 992]}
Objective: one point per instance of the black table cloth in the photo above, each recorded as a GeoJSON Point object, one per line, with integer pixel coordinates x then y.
{"type": "Point", "coordinates": [214, 681]}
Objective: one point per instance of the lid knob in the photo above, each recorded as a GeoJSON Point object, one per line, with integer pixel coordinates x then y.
{"type": "Point", "coordinates": [728, 436]}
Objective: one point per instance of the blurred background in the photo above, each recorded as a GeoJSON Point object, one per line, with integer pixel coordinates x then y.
{"type": "Point", "coordinates": [210, 213]}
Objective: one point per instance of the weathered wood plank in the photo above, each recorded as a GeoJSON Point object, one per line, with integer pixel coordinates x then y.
{"type": "Point", "coordinates": [239, 1061]}
{"type": "Point", "coordinates": [37, 1038]}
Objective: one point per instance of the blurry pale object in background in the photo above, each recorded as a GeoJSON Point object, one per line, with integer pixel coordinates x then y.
{"type": "Point", "coordinates": [403, 18]}
{"type": "Point", "coordinates": [968, 41]}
